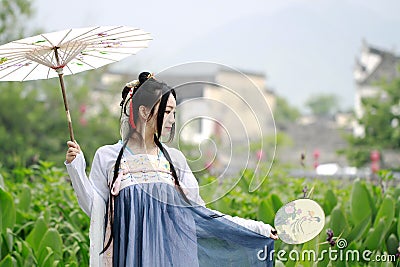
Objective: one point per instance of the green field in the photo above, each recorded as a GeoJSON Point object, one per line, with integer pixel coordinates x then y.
{"type": "Point", "coordinates": [42, 225]}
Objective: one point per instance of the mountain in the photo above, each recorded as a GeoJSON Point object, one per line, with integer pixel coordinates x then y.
{"type": "Point", "coordinates": [303, 50]}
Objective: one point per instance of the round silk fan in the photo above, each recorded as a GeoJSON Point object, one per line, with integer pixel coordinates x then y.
{"type": "Point", "coordinates": [299, 221]}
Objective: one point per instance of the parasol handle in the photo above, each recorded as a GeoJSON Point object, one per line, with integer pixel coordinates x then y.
{"type": "Point", "coordinates": [71, 130]}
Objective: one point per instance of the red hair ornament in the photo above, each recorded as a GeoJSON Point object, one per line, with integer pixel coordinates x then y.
{"type": "Point", "coordinates": [131, 118]}
{"type": "Point", "coordinates": [133, 84]}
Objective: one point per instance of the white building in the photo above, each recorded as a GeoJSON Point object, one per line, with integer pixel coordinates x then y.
{"type": "Point", "coordinates": [223, 104]}
{"type": "Point", "coordinates": [373, 66]}
{"type": "Point", "coordinates": [226, 104]}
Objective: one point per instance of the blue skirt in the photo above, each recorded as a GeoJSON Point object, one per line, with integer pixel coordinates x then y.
{"type": "Point", "coordinates": [154, 226]}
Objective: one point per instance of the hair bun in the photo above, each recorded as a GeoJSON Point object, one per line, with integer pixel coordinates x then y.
{"type": "Point", "coordinates": [125, 93]}
{"type": "Point", "coordinates": [144, 76]}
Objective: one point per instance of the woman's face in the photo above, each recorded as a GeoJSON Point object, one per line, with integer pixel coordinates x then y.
{"type": "Point", "coordinates": [169, 117]}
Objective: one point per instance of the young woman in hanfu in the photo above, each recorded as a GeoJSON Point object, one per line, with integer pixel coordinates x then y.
{"type": "Point", "coordinates": [144, 201]}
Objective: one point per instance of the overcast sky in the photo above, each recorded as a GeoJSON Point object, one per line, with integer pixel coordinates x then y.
{"type": "Point", "coordinates": [304, 47]}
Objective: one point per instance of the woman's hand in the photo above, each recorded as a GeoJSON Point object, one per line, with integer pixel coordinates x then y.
{"type": "Point", "coordinates": [72, 152]}
{"type": "Point", "coordinates": [274, 234]}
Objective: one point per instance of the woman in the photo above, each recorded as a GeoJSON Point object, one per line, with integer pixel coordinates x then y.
{"type": "Point", "coordinates": [144, 201]}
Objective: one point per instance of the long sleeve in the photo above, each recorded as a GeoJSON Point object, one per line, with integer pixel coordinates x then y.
{"type": "Point", "coordinates": [186, 178]}
{"type": "Point", "coordinates": [93, 193]}
{"type": "Point", "coordinates": [256, 226]}
{"type": "Point", "coordinates": [85, 187]}
{"type": "Point", "coordinates": [81, 184]}
{"type": "Point", "coordinates": [102, 164]}
{"type": "Point", "coordinates": [191, 188]}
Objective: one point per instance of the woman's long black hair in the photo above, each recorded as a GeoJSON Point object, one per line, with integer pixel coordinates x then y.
{"type": "Point", "coordinates": [147, 92]}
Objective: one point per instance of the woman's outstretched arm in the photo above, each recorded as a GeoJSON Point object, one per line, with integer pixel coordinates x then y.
{"type": "Point", "coordinates": [191, 188]}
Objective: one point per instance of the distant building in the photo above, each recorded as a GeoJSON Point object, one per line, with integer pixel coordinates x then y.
{"type": "Point", "coordinates": [314, 135]}
{"type": "Point", "coordinates": [224, 104]}
{"type": "Point", "coordinates": [372, 67]}
{"type": "Point", "coordinates": [344, 120]}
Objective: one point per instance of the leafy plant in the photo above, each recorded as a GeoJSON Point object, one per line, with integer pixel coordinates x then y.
{"type": "Point", "coordinates": [41, 222]}
{"type": "Point", "coordinates": [360, 212]}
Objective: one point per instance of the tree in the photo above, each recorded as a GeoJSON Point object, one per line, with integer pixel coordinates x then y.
{"type": "Point", "coordinates": [33, 125]}
{"type": "Point", "coordinates": [323, 104]}
{"type": "Point", "coordinates": [381, 119]}
{"type": "Point", "coordinates": [284, 113]}
{"type": "Point", "coordinates": [12, 14]}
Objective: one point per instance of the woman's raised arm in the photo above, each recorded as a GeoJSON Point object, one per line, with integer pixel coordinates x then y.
{"type": "Point", "coordinates": [76, 168]}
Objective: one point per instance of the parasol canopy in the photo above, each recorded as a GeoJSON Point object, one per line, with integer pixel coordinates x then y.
{"type": "Point", "coordinates": [67, 52]}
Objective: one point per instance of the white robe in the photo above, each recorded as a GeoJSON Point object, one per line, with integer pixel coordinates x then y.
{"type": "Point", "coordinates": [93, 193]}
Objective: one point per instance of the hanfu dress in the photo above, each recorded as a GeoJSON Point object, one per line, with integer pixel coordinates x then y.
{"type": "Point", "coordinates": [153, 224]}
